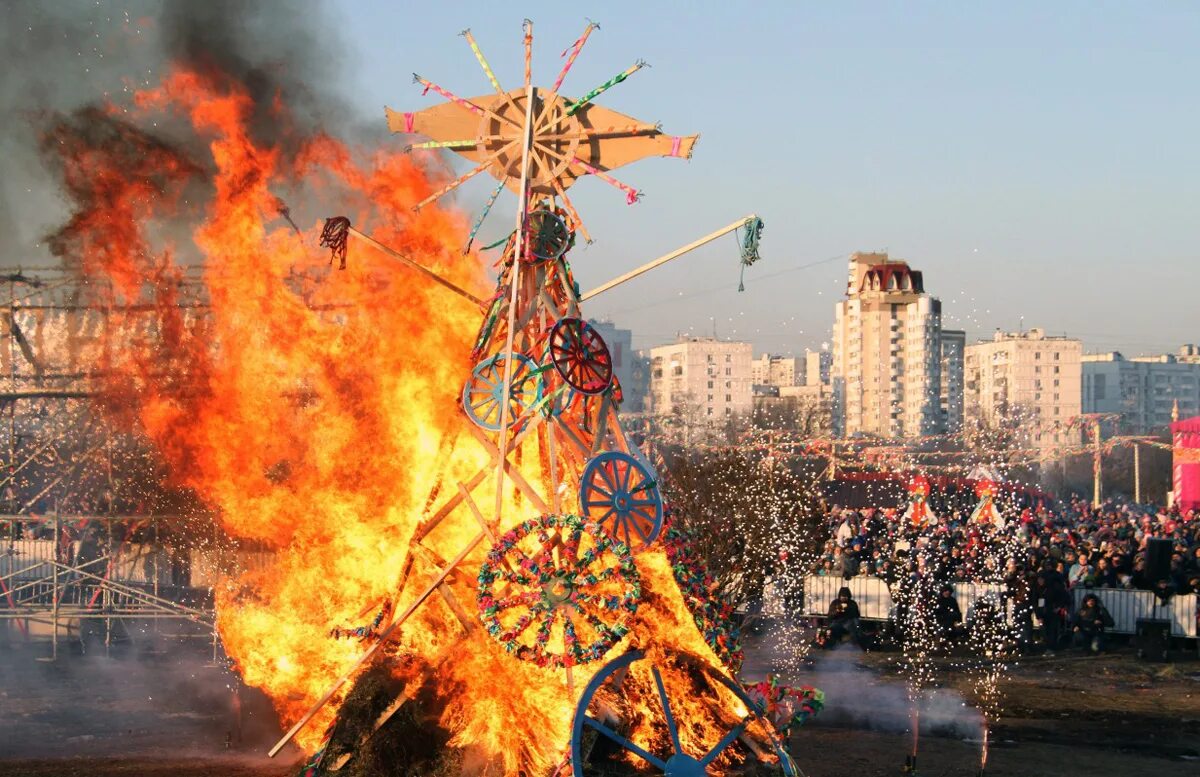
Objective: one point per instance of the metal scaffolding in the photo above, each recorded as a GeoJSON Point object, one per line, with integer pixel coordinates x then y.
{"type": "Point", "coordinates": [91, 547]}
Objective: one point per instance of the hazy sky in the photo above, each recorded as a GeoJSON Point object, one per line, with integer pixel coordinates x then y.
{"type": "Point", "coordinates": [1036, 160]}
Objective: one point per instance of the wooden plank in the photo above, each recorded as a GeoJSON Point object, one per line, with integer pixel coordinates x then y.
{"type": "Point", "coordinates": [383, 638]}
{"type": "Point", "coordinates": [515, 474]}
{"type": "Point", "coordinates": [535, 418]}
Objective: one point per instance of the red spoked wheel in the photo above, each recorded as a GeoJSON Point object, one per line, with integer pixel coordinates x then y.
{"type": "Point", "coordinates": [580, 356]}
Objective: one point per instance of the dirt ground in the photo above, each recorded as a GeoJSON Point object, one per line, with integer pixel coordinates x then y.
{"type": "Point", "coordinates": [1064, 716]}
{"type": "Point", "coordinates": [1069, 715]}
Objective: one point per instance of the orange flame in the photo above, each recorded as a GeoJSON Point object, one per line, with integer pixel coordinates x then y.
{"type": "Point", "coordinates": [315, 410]}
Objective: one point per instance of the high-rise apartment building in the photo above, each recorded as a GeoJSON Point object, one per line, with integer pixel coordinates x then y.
{"type": "Point", "coordinates": [1143, 390]}
{"type": "Point", "coordinates": [620, 347]}
{"type": "Point", "coordinates": [954, 346]}
{"type": "Point", "coordinates": [701, 379]}
{"type": "Point", "coordinates": [887, 353]}
{"type": "Point", "coordinates": [816, 367]}
{"type": "Point", "coordinates": [1027, 380]}
{"type": "Point", "coordinates": [768, 370]}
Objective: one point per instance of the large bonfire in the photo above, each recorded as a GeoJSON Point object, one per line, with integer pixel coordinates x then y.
{"type": "Point", "coordinates": [314, 408]}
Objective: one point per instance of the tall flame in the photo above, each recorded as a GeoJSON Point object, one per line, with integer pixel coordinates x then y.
{"type": "Point", "coordinates": [315, 410]}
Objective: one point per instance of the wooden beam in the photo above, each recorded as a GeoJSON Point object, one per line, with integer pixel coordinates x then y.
{"type": "Point", "coordinates": [517, 478]}
{"type": "Point", "coordinates": [384, 636]}
{"type": "Point", "coordinates": [678, 252]}
{"type": "Point", "coordinates": [535, 418]}
{"type": "Point", "coordinates": [418, 267]}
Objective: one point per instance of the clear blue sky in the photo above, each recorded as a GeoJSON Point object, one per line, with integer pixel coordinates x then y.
{"type": "Point", "coordinates": [1036, 160]}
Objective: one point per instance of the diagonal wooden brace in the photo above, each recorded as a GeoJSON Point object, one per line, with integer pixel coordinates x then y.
{"type": "Point", "coordinates": [513, 473]}
{"type": "Point", "coordinates": [384, 636]}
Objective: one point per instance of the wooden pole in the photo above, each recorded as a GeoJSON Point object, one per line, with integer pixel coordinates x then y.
{"type": "Point", "coordinates": [419, 268]}
{"type": "Point", "coordinates": [383, 638]}
{"type": "Point", "coordinates": [678, 252]}
{"type": "Point", "coordinates": [515, 283]}
{"type": "Point", "coordinates": [1096, 465]}
{"type": "Point", "coordinates": [1137, 473]}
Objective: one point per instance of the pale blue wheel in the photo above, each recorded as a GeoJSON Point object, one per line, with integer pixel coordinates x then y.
{"type": "Point", "coordinates": [483, 395]}
{"type": "Point", "coordinates": [677, 763]}
{"type": "Point", "coordinates": [619, 493]}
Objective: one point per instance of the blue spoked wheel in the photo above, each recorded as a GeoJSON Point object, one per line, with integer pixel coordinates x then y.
{"type": "Point", "coordinates": [620, 494]}
{"type": "Point", "coordinates": [677, 762]}
{"type": "Point", "coordinates": [483, 395]}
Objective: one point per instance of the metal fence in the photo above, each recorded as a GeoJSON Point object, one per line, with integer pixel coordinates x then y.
{"type": "Point", "coordinates": [54, 584]}
{"type": "Point", "coordinates": [875, 602]}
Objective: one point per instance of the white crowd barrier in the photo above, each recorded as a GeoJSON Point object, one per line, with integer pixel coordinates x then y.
{"type": "Point", "coordinates": [875, 602]}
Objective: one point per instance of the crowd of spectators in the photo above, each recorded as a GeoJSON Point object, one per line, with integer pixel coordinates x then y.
{"type": "Point", "coordinates": [1039, 553]}
{"type": "Point", "coordinates": [1088, 547]}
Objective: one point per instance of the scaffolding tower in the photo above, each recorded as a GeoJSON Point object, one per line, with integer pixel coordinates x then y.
{"type": "Point", "coordinates": [92, 548]}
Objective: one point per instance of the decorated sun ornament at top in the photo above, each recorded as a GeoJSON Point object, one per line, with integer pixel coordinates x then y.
{"type": "Point", "coordinates": [918, 515]}
{"type": "Point", "coordinates": [566, 137]}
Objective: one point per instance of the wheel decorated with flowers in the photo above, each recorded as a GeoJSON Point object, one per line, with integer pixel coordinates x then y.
{"type": "Point", "coordinates": [580, 356]}
{"type": "Point", "coordinates": [712, 613]}
{"type": "Point", "coordinates": [558, 591]}
{"type": "Point", "coordinates": [483, 395]}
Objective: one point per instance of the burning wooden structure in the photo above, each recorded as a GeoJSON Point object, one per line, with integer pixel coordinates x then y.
{"type": "Point", "coordinates": [560, 557]}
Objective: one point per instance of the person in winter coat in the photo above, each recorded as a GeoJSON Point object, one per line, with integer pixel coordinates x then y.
{"type": "Point", "coordinates": [1089, 623]}
{"type": "Point", "coordinates": [948, 615]}
{"type": "Point", "coordinates": [1017, 591]}
{"type": "Point", "coordinates": [843, 618]}
{"type": "Point", "coordinates": [1052, 603]}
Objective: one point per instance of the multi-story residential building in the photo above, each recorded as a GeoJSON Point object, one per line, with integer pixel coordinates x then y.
{"type": "Point", "coordinates": [1143, 390]}
{"type": "Point", "coordinates": [768, 370]}
{"type": "Point", "coordinates": [887, 357]}
{"type": "Point", "coordinates": [1188, 354]}
{"type": "Point", "coordinates": [954, 345]}
{"type": "Point", "coordinates": [803, 409]}
{"type": "Point", "coordinates": [620, 346]}
{"type": "Point", "coordinates": [816, 367]}
{"type": "Point", "coordinates": [1027, 380]}
{"type": "Point", "coordinates": [702, 380]}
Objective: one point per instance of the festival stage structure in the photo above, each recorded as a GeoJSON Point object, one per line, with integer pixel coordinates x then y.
{"type": "Point", "coordinates": [86, 554]}
{"type": "Point", "coordinates": [567, 514]}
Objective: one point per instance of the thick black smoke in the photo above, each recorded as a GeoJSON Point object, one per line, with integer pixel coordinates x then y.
{"type": "Point", "coordinates": [61, 58]}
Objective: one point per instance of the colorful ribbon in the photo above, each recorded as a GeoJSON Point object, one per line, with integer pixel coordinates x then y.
{"type": "Point", "coordinates": [632, 195]}
{"type": "Point", "coordinates": [487, 207]}
{"type": "Point", "coordinates": [470, 106]}
{"type": "Point", "coordinates": [604, 87]}
{"type": "Point", "coordinates": [442, 144]}
{"type": "Point", "coordinates": [528, 27]}
{"type": "Point", "coordinates": [457, 182]}
{"type": "Point", "coordinates": [574, 50]}
{"type": "Point", "coordinates": [482, 62]}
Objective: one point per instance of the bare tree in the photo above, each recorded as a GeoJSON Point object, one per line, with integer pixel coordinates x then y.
{"type": "Point", "coordinates": [754, 515]}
